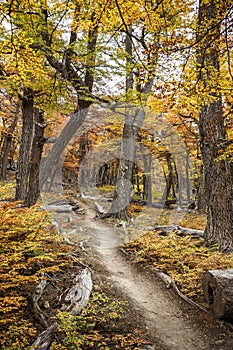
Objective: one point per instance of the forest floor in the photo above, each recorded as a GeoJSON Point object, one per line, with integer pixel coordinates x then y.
{"type": "Point", "coordinates": [171, 322]}
{"type": "Point", "coordinates": [129, 308]}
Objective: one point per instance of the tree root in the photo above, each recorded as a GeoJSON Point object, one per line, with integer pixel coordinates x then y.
{"type": "Point", "coordinates": [171, 284]}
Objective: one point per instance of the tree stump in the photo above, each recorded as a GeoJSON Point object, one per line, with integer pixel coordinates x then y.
{"type": "Point", "coordinates": [218, 291]}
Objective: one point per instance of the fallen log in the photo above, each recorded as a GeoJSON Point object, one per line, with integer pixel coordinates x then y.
{"type": "Point", "coordinates": [79, 293]}
{"type": "Point", "coordinates": [218, 290]}
{"type": "Point", "coordinates": [183, 230]}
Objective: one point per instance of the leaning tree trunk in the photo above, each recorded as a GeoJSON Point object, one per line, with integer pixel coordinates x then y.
{"type": "Point", "coordinates": [6, 147]}
{"type": "Point", "coordinates": [36, 154]}
{"type": "Point", "coordinates": [217, 174]}
{"type": "Point", "coordinates": [25, 145]}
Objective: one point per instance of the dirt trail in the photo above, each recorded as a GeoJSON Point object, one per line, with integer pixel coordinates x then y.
{"type": "Point", "coordinates": [164, 314]}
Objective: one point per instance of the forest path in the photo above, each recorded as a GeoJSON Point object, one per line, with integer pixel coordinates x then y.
{"type": "Point", "coordinates": [166, 316]}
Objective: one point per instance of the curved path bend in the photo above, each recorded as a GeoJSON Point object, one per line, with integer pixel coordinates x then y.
{"type": "Point", "coordinates": [165, 315]}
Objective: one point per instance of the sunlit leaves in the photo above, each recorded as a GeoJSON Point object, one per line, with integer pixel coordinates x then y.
{"type": "Point", "coordinates": [88, 330]}
{"type": "Point", "coordinates": [29, 248]}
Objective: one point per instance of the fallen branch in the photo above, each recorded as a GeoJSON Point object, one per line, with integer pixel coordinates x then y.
{"type": "Point", "coordinates": [185, 231]}
{"type": "Point", "coordinates": [100, 208]}
{"type": "Point", "coordinates": [40, 288]}
{"type": "Point", "coordinates": [45, 338]}
{"type": "Point", "coordinates": [171, 284]}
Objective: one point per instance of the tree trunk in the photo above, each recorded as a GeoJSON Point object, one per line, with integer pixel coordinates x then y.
{"type": "Point", "coordinates": [83, 89]}
{"type": "Point", "coordinates": [201, 195]}
{"type": "Point", "coordinates": [36, 154]}
{"type": "Point", "coordinates": [133, 121]}
{"type": "Point", "coordinates": [218, 180]}
{"type": "Point", "coordinates": [170, 181]}
{"type": "Point", "coordinates": [147, 161]}
{"type": "Point", "coordinates": [6, 148]}
{"type": "Point", "coordinates": [187, 170]}
{"type": "Point", "coordinates": [218, 291]}
{"type": "Point", "coordinates": [124, 187]}
{"type": "Point", "coordinates": [49, 165]}
{"type": "Point", "coordinates": [217, 174]}
{"type": "Point", "coordinates": [25, 145]}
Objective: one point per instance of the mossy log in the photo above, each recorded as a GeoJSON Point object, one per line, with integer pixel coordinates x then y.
{"type": "Point", "coordinates": [218, 291]}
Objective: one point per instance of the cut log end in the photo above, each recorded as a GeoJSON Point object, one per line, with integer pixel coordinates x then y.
{"type": "Point", "coordinates": [218, 291]}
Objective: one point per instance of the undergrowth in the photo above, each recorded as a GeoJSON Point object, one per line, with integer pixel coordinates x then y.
{"type": "Point", "coordinates": [30, 249]}
{"type": "Point", "coordinates": [99, 326]}
{"type": "Point", "coordinates": [184, 259]}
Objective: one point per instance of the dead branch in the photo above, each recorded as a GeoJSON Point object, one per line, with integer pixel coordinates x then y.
{"type": "Point", "coordinates": [36, 297]}
{"type": "Point", "coordinates": [171, 284]}
{"type": "Point", "coordinates": [183, 230]}
{"type": "Point", "coordinates": [45, 339]}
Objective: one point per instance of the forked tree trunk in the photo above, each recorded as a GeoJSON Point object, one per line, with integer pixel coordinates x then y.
{"type": "Point", "coordinates": [133, 121]}
{"type": "Point", "coordinates": [217, 174]}
{"type": "Point", "coordinates": [124, 187]}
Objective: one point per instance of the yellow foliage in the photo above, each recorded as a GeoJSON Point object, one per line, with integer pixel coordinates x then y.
{"type": "Point", "coordinates": [29, 246]}
{"type": "Point", "coordinates": [183, 258]}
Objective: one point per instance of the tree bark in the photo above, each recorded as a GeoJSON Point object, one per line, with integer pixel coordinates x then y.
{"type": "Point", "coordinates": [187, 170]}
{"type": "Point", "coordinates": [147, 190]}
{"type": "Point", "coordinates": [49, 165]}
{"type": "Point", "coordinates": [124, 187]}
{"type": "Point", "coordinates": [201, 195]}
{"type": "Point", "coordinates": [218, 291]}
{"type": "Point", "coordinates": [217, 174]}
{"type": "Point", "coordinates": [33, 192]}
{"type": "Point", "coordinates": [6, 148]}
{"type": "Point", "coordinates": [25, 145]}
